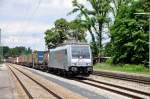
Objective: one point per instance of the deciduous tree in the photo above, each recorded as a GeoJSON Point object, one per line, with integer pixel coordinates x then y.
{"type": "Point", "coordinates": [129, 34]}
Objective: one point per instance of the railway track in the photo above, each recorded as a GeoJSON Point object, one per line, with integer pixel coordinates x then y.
{"type": "Point", "coordinates": [132, 78]}
{"type": "Point", "coordinates": [22, 85]}
{"type": "Point", "coordinates": [128, 92]}
{"type": "Point", "coordinates": [27, 91]}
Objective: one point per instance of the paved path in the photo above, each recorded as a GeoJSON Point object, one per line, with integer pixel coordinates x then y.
{"type": "Point", "coordinates": [6, 84]}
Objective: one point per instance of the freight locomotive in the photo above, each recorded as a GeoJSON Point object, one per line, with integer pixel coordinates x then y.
{"type": "Point", "coordinates": [72, 59]}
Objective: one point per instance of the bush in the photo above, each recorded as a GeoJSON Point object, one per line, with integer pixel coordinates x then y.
{"type": "Point", "coordinates": [109, 61]}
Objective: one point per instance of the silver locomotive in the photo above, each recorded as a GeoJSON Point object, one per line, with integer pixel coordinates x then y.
{"type": "Point", "coordinates": [73, 59]}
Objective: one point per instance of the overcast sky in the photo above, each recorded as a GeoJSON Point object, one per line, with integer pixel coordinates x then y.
{"type": "Point", "coordinates": [23, 22]}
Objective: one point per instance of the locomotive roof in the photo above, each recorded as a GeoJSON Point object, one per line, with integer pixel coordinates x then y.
{"type": "Point", "coordinates": [64, 46]}
{"type": "Point", "coordinates": [74, 43]}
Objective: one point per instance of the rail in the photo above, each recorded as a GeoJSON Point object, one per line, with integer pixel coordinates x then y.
{"type": "Point", "coordinates": [125, 91]}
{"type": "Point", "coordinates": [132, 78]}
{"type": "Point", "coordinates": [37, 82]}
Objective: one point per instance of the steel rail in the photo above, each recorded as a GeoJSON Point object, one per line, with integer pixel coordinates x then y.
{"type": "Point", "coordinates": [24, 88]}
{"type": "Point", "coordinates": [121, 87]}
{"type": "Point", "coordinates": [111, 90]}
{"type": "Point", "coordinates": [123, 77]}
{"type": "Point", "coordinates": [51, 92]}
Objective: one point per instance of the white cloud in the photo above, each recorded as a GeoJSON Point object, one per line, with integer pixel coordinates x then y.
{"type": "Point", "coordinates": [34, 42]}
{"type": "Point", "coordinates": [23, 33]}
{"type": "Point", "coordinates": [23, 22]}
{"type": "Point", "coordinates": [17, 27]}
{"type": "Point", "coordinates": [21, 40]}
{"type": "Point", "coordinates": [25, 8]}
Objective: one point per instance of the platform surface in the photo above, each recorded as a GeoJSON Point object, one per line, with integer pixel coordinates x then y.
{"type": "Point", "coordinates": [6, 84]}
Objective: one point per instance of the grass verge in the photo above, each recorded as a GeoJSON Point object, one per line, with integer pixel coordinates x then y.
{"type": "Point", "coordinates": [122, 68]}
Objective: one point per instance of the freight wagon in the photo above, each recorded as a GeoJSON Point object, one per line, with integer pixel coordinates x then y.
{"type": "Point", "coordinates": [29, 60]}
{"type": "Point", "coordinates": [38, 59]}
{"type": "Point", "coordinates": [15, 60]}
{"type": "Point", "coordinates": [12, 60]}
{"type": "Point", "coordinates": [45, 60]}
{"type": "Point", "coordinates": [20, 60]}
{"type": "Point", "coordinates": [25, 60]}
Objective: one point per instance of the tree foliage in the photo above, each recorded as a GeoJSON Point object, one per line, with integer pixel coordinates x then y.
{"type": "Point", "coordinates": [64, 30]}
{"type": "Point", "coordinates": [61, 27]}
{"type": "Point", "coordinates": [57, 34]}
{"type": "Point", "coordinates": [129, 34]}
{"type": "Point", "coordinates": [14, 52]}
{"type": "Point", "coordinates": [77, 30]}
{"type": "Point", "coordinates": [95, 18]}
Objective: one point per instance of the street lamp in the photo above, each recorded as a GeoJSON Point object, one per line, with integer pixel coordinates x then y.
{"type": "Point", "coordinates": [148, 14]}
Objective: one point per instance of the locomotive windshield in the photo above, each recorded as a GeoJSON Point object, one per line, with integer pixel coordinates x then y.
{"type": "Point", "coordinates": [80, 52]}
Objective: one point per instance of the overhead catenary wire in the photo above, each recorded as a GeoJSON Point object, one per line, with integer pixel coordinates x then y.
{"type": "Point", "coordinates": [26, 17]}
{"type": "Point", "coordinates": [29, 14]}
{"type": "Point", "coordinates": [32, 15]}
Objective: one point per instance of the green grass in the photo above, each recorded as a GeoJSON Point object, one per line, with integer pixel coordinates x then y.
{"type": "Point", "coordinates": [122, 68]}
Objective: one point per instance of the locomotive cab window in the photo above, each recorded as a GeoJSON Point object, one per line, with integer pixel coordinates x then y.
{"type": "Point", "coordinates": [80, 52]}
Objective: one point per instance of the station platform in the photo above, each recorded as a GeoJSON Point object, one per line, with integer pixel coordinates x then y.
{"type": "Point", "coordinates": [7, 86]}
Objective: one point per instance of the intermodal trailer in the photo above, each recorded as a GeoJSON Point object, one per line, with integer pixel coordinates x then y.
{"type": "Point", "coordinates": [25, 60]}
{"type": "Point", "coordinates": [30, 60]}
{"type": "Point", "coordinates": [38, 57]}
{"type": "Point", "coordinates": [12, 60]}
{"type": "Point", "coordinates": [20, 60]}
{"type": "Point", "coordinates": [45, 60]}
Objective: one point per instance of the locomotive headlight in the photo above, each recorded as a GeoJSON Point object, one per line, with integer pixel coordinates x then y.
{"type": "Point", "coordinates": [74, 69]}
{"type": "Point", "coordinates": [89, 69]}
{"type": "Point", "coordinates": [88, 64]}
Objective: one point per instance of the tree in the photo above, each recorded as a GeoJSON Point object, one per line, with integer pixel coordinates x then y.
{"type": "Point", "coordinates": [14, 52]}
{"type": "Point", "coordinates": [117, 5]}
{"type": "Point", "coordinates": [52, 38]}
{"type": "Point", "coordinates": [95, 18]}
{"type": "Point", "coordinates": [6, 52]}
{"type": "Point", "coordinates": [57, 34]}
{"type": "Point", "coordinates": [129, 34]}
{"type": "Point", "coordinates": [61, 27]}
{"type": "Point", "coordinates": [64, 30]}
{"type": "Point", "coordinates": [77, 30]}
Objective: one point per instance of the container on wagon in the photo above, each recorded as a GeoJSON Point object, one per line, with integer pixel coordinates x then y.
{"type": "Point", "coordinates": [38, 57]}
{"type": "Point", "coordinates": [21, 59]}
{"type": "Point", "coordinates": [46, 57]}
{"type": "Point", "coordinates": [30, 58]}
{"type": "Point", "coordinates": [13, 60]}
{"type": "Point", "coordinates": [16, 60]}
{"type": "Point", "coordinates": [25, 60]}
